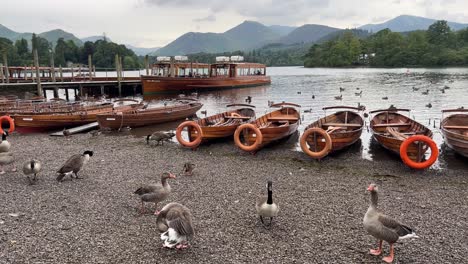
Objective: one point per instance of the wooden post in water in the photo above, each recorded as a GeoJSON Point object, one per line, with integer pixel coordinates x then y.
{"type": "Point", "coordinates": [72, 74]}
{"type": "Point", "coordinates": [5, 62]}
{"type": "Point", "coordinates": [117, 68]}
{"type": "Point", "coordinates": [52, 72]}
{"type": "Point", "coordinates": [67, 96]}
{"type": "Point", "coordinates": [61, 73]}
{"type": "Point", "coordinates": [90, 67]}
{"type": "Point", "coordinates": [102, 89]}
{"type": "Point", "coordinates": [147, 64]}
{"type": "Point", "coordinates": [79, 71]}
{"type": "Point", "coordinates": [1, 72]}
{"type": "Point", "coordinates": [38, 77]}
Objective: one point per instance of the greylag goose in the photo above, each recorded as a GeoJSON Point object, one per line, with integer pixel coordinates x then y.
{"type": "Point", "coordinates": [155, 193]}
{"type": "Point", "coordinates": [383, 227]}
{"type": "Point", "coordinates": [175, 223]}
{"type": "Point", "coordinates": [6, 158]}
{"type": "Point", "coordinates": [5, 145]}
{"type": "Point", "coordinates": [159, 136]}
{"type": "Point", "coordinates": [73, 165]}
{"type": "Point", "coordinates": [32, 167]}
{"type": "Point", "coordinates": [188, 168]}
{"type": "Point", "coordinates": [266, 207]}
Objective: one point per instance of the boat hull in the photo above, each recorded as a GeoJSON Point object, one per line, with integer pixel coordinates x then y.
{"type": "Point", "coordinates": [154, 85]}
{"type": "Point", "coordinates": [456, 138]}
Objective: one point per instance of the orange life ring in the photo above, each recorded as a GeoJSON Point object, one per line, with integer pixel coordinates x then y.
{"type": "Point", "coordinates": [10, 120]}
{"type": "Point", "coordinates": [258, 139]}
{"type": "Point", "coordinates": [305, 147]}
{"type": "Point", "coordinates": [419, 165]}
{"type": "Point", "coordinates": [189, 144]}
{"type": "Point", "coordinates": [234, 115]}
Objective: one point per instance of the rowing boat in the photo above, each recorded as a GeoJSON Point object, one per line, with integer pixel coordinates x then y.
{"type": "Point", "coordinates": [455, 130]}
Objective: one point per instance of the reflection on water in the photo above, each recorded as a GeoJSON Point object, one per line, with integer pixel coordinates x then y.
{"type": "Point", "coordinates": [317, 88]}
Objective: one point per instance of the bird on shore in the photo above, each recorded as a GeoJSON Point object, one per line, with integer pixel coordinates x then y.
{"type": "Point", "coordinates": [383, 227]}
{"type": "Point", "coordinates": [266, 207]}
{"type": "Point", "coordinates": [385, 98]}
{"type": "Point", "coordinates": [5, 145]}
{"type": "Point", "coordinates": [426, 92]}
{"type": "Point", "coordinates": [313, 96]}
{"type": "Point", "coordinates": [175, 223]}
{"type": "Point", "coordinates": [442, 90]}
{"type": "Point", "coordinates": [188, 168]}
{"type": "Point", "coordinates": [308, 110]}
{"type": "Point", "coordinates": [159, 136]}
{"type": "Point", "coordinates": [73, 165]}
{"type": "Point", "coordinates": [415, 89]}
{"type": "Point", "coordinates": [339, 97]}
{"type": "Point", "coordinates": [203, 112]}
{"type": "Point", "coordinates": [95, 133]}
{"type": "Point", "coordinates": [6, 158]}
{"type": "Point", "coordinates": [248, 99]}
{"type": "Point", "coordinates": [32, 167]}
{"type": "Point", "coordinates": [66, 132]}
{"type": "Point", "coordinates": [155, 193]}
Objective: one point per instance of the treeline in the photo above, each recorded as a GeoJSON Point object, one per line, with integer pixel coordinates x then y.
{"type": "Point", "coordinates": [66, 53]}
{"type": "Point", "coordinates": [437, 46]}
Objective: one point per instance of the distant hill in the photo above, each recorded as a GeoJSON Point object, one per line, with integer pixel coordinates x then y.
{"type": "Point", "coordinates": [308, 33]}
{"type": "Point", "coordinates": [360, 33]}
{"type": "Point", "coordinates": [7, 33]}
{"type": "Point", "coordinates": [51, 36]}
{"type": "Point", "coordinates": [142, 51]}
{"type": "Point", "coordinates": [409, 23]}
{"type": "Point", "coordinates": [95, 38]}
{"type": "Point", "coordinates": [282, 30]}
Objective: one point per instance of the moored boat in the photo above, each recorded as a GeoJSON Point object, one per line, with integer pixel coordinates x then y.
{"type": "Point", "coordinates": [332, 132]}
{"type": "Point", "coordinates": [179, 75]}
{"type": "Point", "coordinates": [404, 136]}
{"type": "Point", "coordinates": [148, 116]}
{"type": "Point", "coordinates": [268, 128]}
{"type": "Point", "coordinates": [455, 130]}
{"type": "Point", "coordinates": [220, 125]}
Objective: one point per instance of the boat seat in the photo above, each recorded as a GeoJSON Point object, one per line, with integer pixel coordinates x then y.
{"type": "Point", "coordinates": [456, 127]}
{"type": "Point", "coordinates": [341, 125]}
{"type": "Point", "coordinates": [392, 125]}
{"type": "Point", "coordinates": [238, 117]}
{"type": "Point", "coordinates": [396, 134]}
{"type": "Point", "coordinates": [282, 118]}
{"type": "Point", "coordinates": [265, 125]}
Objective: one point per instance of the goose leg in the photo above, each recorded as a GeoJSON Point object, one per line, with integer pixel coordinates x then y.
{"type": "Point", "coordinates": [157, 211]}
{"type": "Point", "coordinates": [29, 179]}
{"type": "Point", "coordinates": [142, 208]}
{"type": "Point", "coordinates": [76, 176]}
{"type": "Point", "coordinates": [34, 179]}
{"type": "Point", "coordinates": [378, 251]}
{"type": "Point", "coordinates": [389, 258]}
{"type": "Point", "coordinates": [2, 171]}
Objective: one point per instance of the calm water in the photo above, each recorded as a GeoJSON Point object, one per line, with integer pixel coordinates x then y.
{"type": "Point", "coordinates": [299, 85]}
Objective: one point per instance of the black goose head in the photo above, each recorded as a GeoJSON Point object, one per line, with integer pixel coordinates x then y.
{"type": "Point", "coordinates": [32, 164]}
{"type": "Point", "coordinates": [269, 186]}
{"type": "Point", "coordinates": [147, 139]}
{"type": "Point", "coordinates": [89, 152]}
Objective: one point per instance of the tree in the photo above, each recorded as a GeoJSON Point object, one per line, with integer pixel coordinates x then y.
{"type": "Point", "coordinates": [60, 49]}
{"type": "Point", "coordinates": [438, 33]}
{"type": "Point", "coordinates": [21, 46]}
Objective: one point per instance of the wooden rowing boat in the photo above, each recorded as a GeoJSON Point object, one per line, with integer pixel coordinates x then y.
{"type": "Point", "coordinates": [332, 132]}
{"type": "Point", "coordinates": [148, 116]}
{"type": "Point", "coordinates": [455, 130]}
{"type": "Point", "coordinates": [391, 129]}
{"type": "Point", "coordinates": [54, 120]}
{"type": "Point", "coordinates": [268, 128]}
{"type": "Point", "coordinates": [220, 125]}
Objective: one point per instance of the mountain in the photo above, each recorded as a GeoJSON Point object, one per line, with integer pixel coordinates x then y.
{"type": "Point", "coordinates": [360, 33]}
{"type": "Point", "coordinates": [282, 30]}
{"type": "Point", "coordinates": [7, 33]}
{"type": "Point", "coordinates": [142, 51]}
{"type": "Point", "coordinates": [95, 38]}
{"type": "Point", "coordinates": [247, 35]}
{"type": "Point", "coordinates": [308, 33]}
{"type": "Point", "coordinates": [53, 35]}
{"type": "Point", "coordinates": [409, 23]}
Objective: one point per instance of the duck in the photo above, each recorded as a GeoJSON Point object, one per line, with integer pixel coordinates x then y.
{"type": "Point", "coordinates": [5, 145]}
{"type": "Point", "coordinates": [442, 90]}
{"type": "Point", "coordinates": [385, 98]}
{"type": "Point", "coordinates": [415, 89]}
{"type": "Point", "coordinates": [175, 223]}
{"type": "Point", "coordinates": [383, 227]}
{"type": "Point", "coordinates": [155, 193]}
{"type": "Point", "coordinates": [188, 168]}
{"type": "Point", "coordinates": [342, 89]}
{"type": "Point", "coordinates": [203, 112]}
{"type": "Point", "coordinates": [429, 105]}
{"type": "Point", "coordinates": [308, 110]}
{"type": "Point", "coordinates": [313, 96]}
{"type": "Point", "coordinates": [248, 99]}
{"type": "Point", "coordinates": [73, 165]}
{"type": "Point", "coordinates": [339, 97]}
{"type": "Point", "coordinates": [266, 207]}
{"type": "Point", "coordinates": [299, 92]}
{"type": "Point", "coordinates": [446, 87]}
{"type": "Point", "coordinates": [6, 158]}
{"type": "Point", "coordinates": [159, 136]}
{"type": "Point", "coordinates": [32, 167]}
{"type": "Point", "coordinates": [358, 94]}
{"type": "Point", "coordinates": [426, 92]}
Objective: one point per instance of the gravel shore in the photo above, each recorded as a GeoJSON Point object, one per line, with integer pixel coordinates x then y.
{"type": "Point", "coordinates": [96, 219]}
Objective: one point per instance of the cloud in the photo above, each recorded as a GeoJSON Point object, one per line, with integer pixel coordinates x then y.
{"type": "Point", "coordinates": [210, 18]}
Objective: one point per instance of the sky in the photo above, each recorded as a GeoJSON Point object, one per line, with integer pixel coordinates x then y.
{"type": "Point", "coordinates": [155, 23]}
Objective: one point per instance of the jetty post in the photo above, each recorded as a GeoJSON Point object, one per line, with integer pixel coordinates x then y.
{"type": "Point", "coordinates": [147, 64]}
{"type": "Point", "coordinates": [118, 70]}
{"type": "Point", "coordinates": [52, 72]}
{"type": "Point", "coordinates": [38, 77]}
{"type": "Point", "coordinates": [1, 73]}
{"type": "Point", "coordinates": [90, 67]}
{"type": "Point", "coordinates": [5, 63]}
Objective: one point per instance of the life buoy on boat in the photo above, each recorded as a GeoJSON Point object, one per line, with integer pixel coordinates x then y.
{"type": "Point", "coordinates": [258, 138]}
{"type": "Point", "coordinates": [234, 115]}
{"type": "Point", "coordinates": [10, 121]}
{"type": "Point", "coordinates": [193, 125]}
{"type": "Point", "coordinates": [316, 154]}
{"type": "Point", "coordinates": [419, 165]}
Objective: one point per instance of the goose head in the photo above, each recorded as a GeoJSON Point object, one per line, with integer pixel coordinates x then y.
{"type": "Point", "coordinates": [148, 139]}
{"type": "Point", "coordinates": [88, 152]}
{"type": "Point", "coordinates": [167, 175]}
{"type": "Point", "coordinates": [372, 187]}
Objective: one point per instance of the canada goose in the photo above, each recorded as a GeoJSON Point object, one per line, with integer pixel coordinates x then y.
{"type": "Point", "coordinates": [383, 227]}
{"type": "Point", "coordinates": [155, 193]}
{"type": "Point", "coordinates": [159, 136]}
{"type": "Point", "coordinates": [32, 167]}
{"type": "Point", "coordinates": [429, 105]}
{"type": "Point", "coordinates": [342, 89]}
{"type": "Point", "coordinates": [203, 112]}
{"type": "Point", "coordinates": [415, 89]}
{"type": "Point", "coordinates": [313, 96]}
{"type": "Point", "coordinates": [299, 92]}
{"type": "Point", "coordinates": [73, 165]}
{"type": "Point", "coordinates": [385, 98]}
{"type": "Point", "coordinates": [308, 110]}
{"type": "Point", "coordinates": [95, 133]}
{"type": "Point", "coordinates": [265, 206]}
{"type": "Point", "coordinates": [358, 94]}
{"type": "Point", "coordinates": [188, 168]}
{"type": "Point", "coordinates": [426, 92]}
{"type": "Point", "coordinates": [442, 90]}
{"type": "Point", "coordinates": [339, 97]}
{"type": "Point", "coordinates": [5, 145]}
{"type": "Point", "coordinates": [175, 223]}
{"type": "Point", "coordinates": [6, 158]}
{"type": "Point", "coordinates": [248, 99]}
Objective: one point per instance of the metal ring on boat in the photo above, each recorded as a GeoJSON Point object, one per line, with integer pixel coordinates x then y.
{"type": "Point", "coordinates": [316, 154]}
{"type": "Point", "coordinates": [258, 138]}
{"type": "Point", "coordinates": [10, 120]}
{"type": "Point", "coordinates": [419, 165]}
{"type": "Point", "coordinates": [189, 124]}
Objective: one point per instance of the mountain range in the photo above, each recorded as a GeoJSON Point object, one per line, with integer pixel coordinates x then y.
{"type": "Point", "coordinates": [247, 35]}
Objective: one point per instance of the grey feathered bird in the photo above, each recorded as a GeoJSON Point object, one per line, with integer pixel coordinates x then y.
{"type": "Point", "coordinates": [159, 136]}
{"type": "Point", "coordinates": [74, 164]}
{"type": "Point", "coordinates": [383, 227]}
{"type": "Point", "coordinates": [175, 223]}
{"type": "Point", "coordinates": [32, 167]}
{"type": "Point", "coordinates": [155, 193]}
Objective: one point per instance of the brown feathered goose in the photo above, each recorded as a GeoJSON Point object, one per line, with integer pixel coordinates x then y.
{"type": "Point", "coordinates": [175, 223]}
{"type": "Point", "coordinates": [266, 207]}
{"type": "Point", "coordinates": [74, 164]}
{"type": "Point", "coordinates": [155, 193]}
{"type": "Point", "coordinates": [188, 168]}
{"type": "Point", "coordinates": [383, 227]}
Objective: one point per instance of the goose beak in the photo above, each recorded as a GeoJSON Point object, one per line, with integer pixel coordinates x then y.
{"type": "Point", "coordinates": [172, 176]}
{"type": "Point", "coordinates": [370, 188]}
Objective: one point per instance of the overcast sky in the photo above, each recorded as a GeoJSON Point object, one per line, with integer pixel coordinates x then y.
{"type": "Point", "coordinates": [155, 23]}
